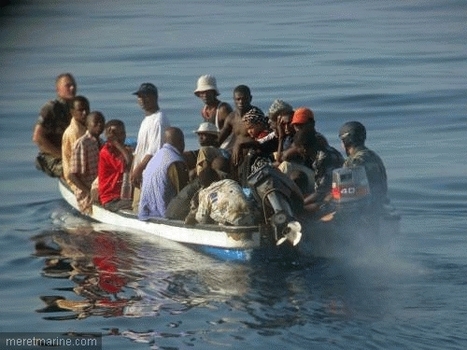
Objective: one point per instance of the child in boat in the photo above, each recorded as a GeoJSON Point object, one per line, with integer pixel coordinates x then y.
{"type": "Point", "coordinates": [79, 110]}
{"type": "Point", "coordinates": [84, 159]}
{"type": "Point", "coordinates": [114, 164]}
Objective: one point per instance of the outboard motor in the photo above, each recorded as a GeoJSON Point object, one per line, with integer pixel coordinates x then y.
{"type": "Point", "coordinates": [350, 189]}
{"type": "Point", "coordinates": [279, 197]}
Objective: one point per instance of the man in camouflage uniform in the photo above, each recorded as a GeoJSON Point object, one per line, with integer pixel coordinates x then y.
{"type": "Point", "coordinates": [54, 118]}
{"type": "Point", "coordinates": [353, 136]}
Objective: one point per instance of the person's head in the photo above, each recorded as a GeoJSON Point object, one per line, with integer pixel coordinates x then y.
{"type": "Point", "coordinates": [115, 131]}
{"type": "Point", "coordinates": [207, 176]}
{"type": "Point", "coordinates": [303, 116]}
{"type": "Point", "coordinates": [206, 89]}
{"type": "Point", "coordinates": [255, 122]}
{"type": "Point", "coordinates": [79, 109]}
{"type": "Point", "coordinates": [280, 108]}
{"type": "Point", "coordinates": [306, 142]}
{"type": "Point", "coordinates": [207, 134]}
{"type": "Point", "coordinates": [148, 97]}
{"type": "Point", "coordinates": [174, 136]}
{"type": "Point", "coordinates": [242, 98]}
{"type": "Point", "coordinates": [280, 115]}
{"type": "Point", "coordinates": [65, 85]}
{"type": "Point", "coordinates": [95, 122]}
{"type": "Point", "coordinates": [352, 134]}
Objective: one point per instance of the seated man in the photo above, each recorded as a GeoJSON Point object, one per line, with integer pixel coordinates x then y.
{"type": "Point", "coordinates": [164, 176]}
{"type": "Point", "coordinates": [280, 121]}
{"type": "Point", "coordinates": [209, 148]}
{"type": "Point", "coordinates": [84, 160]}
{"type": "Point", "coordinates": [258, 144]}
{"type": "Point", "coordinates": [221, 201]}
{"type": "Point", "coordinates": [79, 110]}
{"type": "Point", "coordinates": [353, 136]}
{"type": "Point", "coordinates": [323, 160]}
{"type": "Point", "coordinates": [114, 165]}
{"type": "Point", "coordinates": [54, 118]}
{"type": "Point", "coordinates": [179, 207]}
{"type": "Point", "coordinates": [303, 117]}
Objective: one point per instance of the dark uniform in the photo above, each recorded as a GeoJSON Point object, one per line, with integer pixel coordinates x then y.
{"type": "Point", "coordinates": [375, 172]}
{"type": "Point", "coordinates": [54, 118]}
{"type": "Point", "coordinates": [327, 159]}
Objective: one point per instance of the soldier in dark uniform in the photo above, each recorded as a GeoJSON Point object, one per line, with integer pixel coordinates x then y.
{"type": "Point", "coordinates": [353, 136]}
{"type": "Point", "coordinates": [54, 118]}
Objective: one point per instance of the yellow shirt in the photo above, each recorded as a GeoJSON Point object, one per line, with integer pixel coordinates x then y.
{"type": "Point", "coordinates": [72, 133]}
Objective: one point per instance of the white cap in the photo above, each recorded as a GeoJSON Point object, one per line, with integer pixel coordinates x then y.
{"type": "Point", "coordinates": [207, 128]}
{"type": "Point", "coordinates": [205, 83]}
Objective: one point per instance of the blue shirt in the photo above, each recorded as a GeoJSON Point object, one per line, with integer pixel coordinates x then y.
{"type": "Point", "coordinates": [156, 189]}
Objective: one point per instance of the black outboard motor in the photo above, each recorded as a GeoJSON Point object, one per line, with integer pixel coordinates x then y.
{"type": "Point", "coordinates": [279, 197]}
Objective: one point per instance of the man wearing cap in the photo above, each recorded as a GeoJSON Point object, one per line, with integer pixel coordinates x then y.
{"type": "Point", "coordinates": [150, 135]}
{"type": "Point", "coordinates": [303, 117]}
{"type": "Point", "coordinates": [208, 151]}
{"type": "Point", "coordinates": [214, 111]}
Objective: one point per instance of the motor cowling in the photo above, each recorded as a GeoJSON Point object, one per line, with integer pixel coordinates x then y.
{"type": "Point", "coordinates": [350, 189]}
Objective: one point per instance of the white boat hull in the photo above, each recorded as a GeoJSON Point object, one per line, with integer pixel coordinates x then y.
{"type": "Point", "coordinates": [226, 237]}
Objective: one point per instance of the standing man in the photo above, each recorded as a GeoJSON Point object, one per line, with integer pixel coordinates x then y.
{"type": "Point", "coordinates": [54, 118]}
{"type": "Point", "coordinates": [234, 124]}
{"type": "Point", "coordinates": [214, 111]}
{"type": "Point", "coordinates": [150, 136]}
{"type": "Point", "coordinates": [165, 175]}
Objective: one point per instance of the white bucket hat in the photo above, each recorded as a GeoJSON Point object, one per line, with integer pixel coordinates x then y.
{"type": "Point", "coordinates": [206, 83]}
{"type": "Point", "coordinates": [207, 128]}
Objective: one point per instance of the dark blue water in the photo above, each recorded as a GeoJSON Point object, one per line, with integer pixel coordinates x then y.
{"type": "Point", "coordinates": [399, 67]}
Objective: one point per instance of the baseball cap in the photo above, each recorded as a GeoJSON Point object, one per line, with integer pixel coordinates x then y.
{"type": "Point", "coordinates": [302, 115]}
{"type": "Point", "coordinates": [146, 88]}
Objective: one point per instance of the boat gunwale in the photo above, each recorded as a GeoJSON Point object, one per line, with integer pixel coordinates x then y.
{"type": "Point", "coordinates": [249, 235]}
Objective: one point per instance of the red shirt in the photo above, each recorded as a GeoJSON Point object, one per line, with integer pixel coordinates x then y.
{"type": "Point", "coordinates": [110, 172]}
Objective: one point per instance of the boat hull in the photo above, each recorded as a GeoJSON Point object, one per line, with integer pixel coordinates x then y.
{"type": "Point", "coordinates": [215, 236]}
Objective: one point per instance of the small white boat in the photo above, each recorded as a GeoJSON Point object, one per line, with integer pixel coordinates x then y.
{"type": "Point", "coordinates": [279, 224]}
{"type": "Point", "coordinates": [239, 239]}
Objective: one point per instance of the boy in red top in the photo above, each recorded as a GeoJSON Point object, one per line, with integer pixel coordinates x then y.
{"type": "Point", "coordinates": [114, 160]}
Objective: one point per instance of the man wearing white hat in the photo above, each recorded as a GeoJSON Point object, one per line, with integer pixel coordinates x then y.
{"type": "Point", "coordinates": [209, 147]}
{"type": "Point", "coordinates": [213, 111]}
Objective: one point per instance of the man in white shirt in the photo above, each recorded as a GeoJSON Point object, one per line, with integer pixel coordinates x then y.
{"type": "Point", "coordinates": [150, 135]}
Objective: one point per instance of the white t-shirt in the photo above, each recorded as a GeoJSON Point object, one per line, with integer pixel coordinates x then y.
{"type": "Point", "coordinates": [150, 136]}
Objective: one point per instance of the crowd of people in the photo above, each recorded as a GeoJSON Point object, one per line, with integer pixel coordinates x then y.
{"type": "Point", "coordinates": [160, 179]}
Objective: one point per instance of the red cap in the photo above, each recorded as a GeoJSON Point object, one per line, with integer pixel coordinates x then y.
{"type": "Point", "coordinates": [302, 115]}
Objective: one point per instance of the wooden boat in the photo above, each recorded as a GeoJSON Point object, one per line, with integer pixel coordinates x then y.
{"type": "Point", "coordinates": [239, 242]}
{"type": "Point", "coordinates": [228, 241]}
